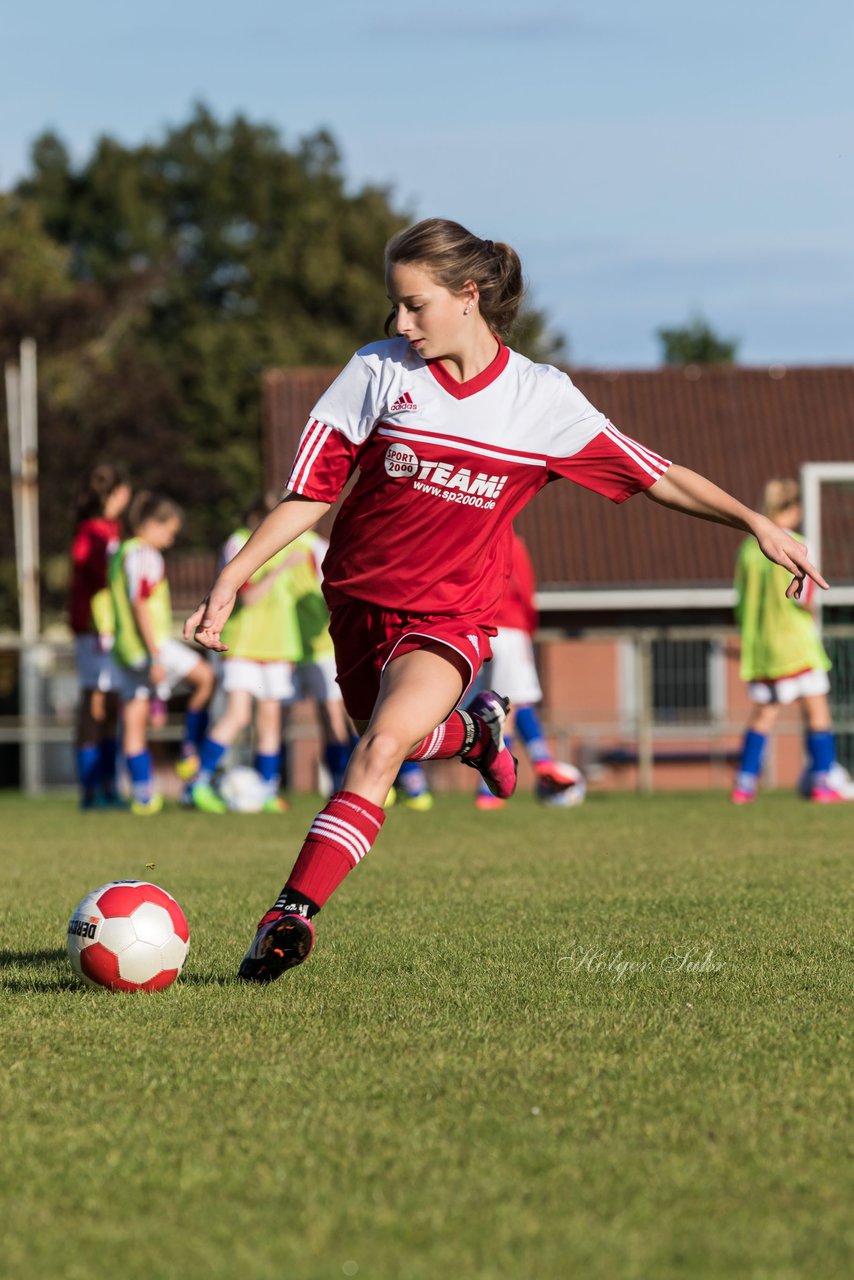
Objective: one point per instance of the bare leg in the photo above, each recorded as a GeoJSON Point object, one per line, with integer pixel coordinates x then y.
{"type": "Point", "coordinates": [816, 712]}
{"type": "Point", "coordinates": [202, 678]}
{"type": "Point", "coordinates": [268, 726]}
{"type": "Point", "coordinates": [236, 717]}
{"type": "Point", "coordinates": [333, 722]}
{"type": "Point", "coordinates": [763, 717]}
{"type": "Point", "coordinates": [135, 724]}
{"type": "Point", "coordinates": [417, 692]}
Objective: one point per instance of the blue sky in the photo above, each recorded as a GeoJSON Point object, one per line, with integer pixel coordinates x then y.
{"type": "Point", "coordinates": [649, 161]}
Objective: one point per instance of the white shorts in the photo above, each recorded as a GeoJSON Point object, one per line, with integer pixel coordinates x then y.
{"type": "Point", "coordinates": [96, 667]}
{"type": "Point", "coordinates": [261, 679]}
{"type": "Point", "coordinates": [804, 685]}
{"type": "Point", "coordinates": [512, 671]}
{"type": "Point", "coordinates": [177, 658]}
{"type": "Point", "coordinates": [317, 680]}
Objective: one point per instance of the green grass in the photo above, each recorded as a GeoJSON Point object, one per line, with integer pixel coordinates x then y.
{"type": "Point", "coordinates": [462, 1081]}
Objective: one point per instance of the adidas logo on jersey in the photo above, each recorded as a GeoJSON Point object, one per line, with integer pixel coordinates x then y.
{"type": "Point", "coordinates": [404, 404]}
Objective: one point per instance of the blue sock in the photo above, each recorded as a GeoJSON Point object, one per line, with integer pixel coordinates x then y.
{"type": "Point", "coordinates": [210, 755]}
{"type": "Point", "coordinates": [88, 771]}
{"type": "Point", "coordinates": [335, 757]}
{"type": "Point", "coordinates": [195, 728]}
{"type": "Point", "coordinates": [412, 779]}
{"type": "Point", "coordinates": [139, 768]}
{"type": "Point", "coordinates": [270, 769]}
{"type": "Point", "coordinates": [750, 766]}
{"type": "Point", "coordinates": [822, 753]}
{"type": "Point", "coordinates": [108, 754]}
{"type": "Point", "coordinates": [531, 733]}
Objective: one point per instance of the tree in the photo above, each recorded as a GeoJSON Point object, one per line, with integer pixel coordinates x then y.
{"type": "Point", "coordinates": [195, 262]}
{"type": "Point", "coordinates": [696, 343]}
{"type": "Point", "coordinates": [160, 280]}
{"type": "Point", "coordinates": [96, 385]}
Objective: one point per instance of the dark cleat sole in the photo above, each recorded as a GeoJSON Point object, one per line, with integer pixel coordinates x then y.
{"type": "Point", "coordinates": [285, 944]}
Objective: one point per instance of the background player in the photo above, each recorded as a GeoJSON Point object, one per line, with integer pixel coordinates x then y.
{"type": "Point", "coordinates": [782, 657]}
{"type": "Point", "coordinates": [514, 671]}
{"type": "Point", "coordinates": [263, 644]}
{"type": "Point", "coordinates": [315, 674]}
{"type": "Point", "coordinates": [149, 658]}
{"type": "Point", "coordinates": [102, 500]}
{"type": "Point", "coordinates": [452, 433]}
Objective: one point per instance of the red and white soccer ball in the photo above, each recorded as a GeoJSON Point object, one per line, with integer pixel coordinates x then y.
{"type": "Point", "coordinates": [128, 935]}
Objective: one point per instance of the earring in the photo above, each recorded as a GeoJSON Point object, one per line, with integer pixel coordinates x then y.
{"type": "Point", "coordinates": [467, 309]}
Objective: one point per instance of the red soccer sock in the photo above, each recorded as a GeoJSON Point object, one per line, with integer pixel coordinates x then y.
{"type": "Point", "coordinates": [340, 836]}
{"type": "Point", "coordinates": [461, 734]}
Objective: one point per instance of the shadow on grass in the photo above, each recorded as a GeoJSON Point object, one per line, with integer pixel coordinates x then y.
{"type": "Point", "coordinates": [208, 980]}
{"type": "Point", "coordinates": [35, 958]}
{"type": "Point", "coordinates": [41, 975]}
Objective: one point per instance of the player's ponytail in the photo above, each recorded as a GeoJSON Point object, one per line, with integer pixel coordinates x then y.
{"type": "Point", "coordinates": [454, 256]}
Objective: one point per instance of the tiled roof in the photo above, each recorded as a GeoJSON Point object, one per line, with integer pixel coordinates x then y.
{"type": "Point", "coordinates": [737, 426]}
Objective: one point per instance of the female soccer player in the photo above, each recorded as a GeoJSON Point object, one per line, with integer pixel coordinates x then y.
{"type": "Point", "coordinates": [263, 641]}
{"type": "Point", "coordinates": [102, 500]}
{"type": "Point", "coordinates": [452, 433]}
{"type": "Point", "coordinates": [315, 676]}
{"type": "Point", "coordinates": [149, 659]}
{"type": "Point", "coordinates": [782, 657]}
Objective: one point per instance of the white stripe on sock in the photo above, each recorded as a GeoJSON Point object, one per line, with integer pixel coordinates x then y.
{"type": "Point", "coordinates": [342, 833]}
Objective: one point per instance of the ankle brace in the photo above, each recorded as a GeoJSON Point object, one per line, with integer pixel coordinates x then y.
{"type": "Point", "coordinates": [472, 733]}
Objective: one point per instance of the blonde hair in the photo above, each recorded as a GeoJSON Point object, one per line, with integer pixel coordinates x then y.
{"type": "Point", "coordinates": [453, 255]}
{"type": "Point", "coordinates": [779, 495]}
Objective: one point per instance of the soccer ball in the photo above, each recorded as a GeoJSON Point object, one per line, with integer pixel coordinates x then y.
{"type": "Point", "coordinates": [128, 936]}
{"type": "Point", "coordinates": [243, 790]}
{"type": "Point", "coordinates": [838, 779]}
{"type": "Point", "coordinates": [569, 798]}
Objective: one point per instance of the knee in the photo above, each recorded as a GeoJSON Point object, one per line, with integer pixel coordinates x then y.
{"type": "Point", "coordinates": [382, 751]}
{"type": "Point", "coordinates": [206, 679]}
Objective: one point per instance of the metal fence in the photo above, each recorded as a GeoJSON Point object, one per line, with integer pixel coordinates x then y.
{"type": "Point", "coordinates": [680, 691]}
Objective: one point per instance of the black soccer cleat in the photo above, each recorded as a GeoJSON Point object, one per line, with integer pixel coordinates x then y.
{"type": "Point", "coordinates": [283, 941]}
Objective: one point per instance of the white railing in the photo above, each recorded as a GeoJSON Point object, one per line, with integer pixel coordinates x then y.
{"type": "Point", "coordinates": [676, 711]}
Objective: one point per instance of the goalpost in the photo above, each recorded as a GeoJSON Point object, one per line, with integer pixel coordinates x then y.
{"type": "Point", "coordinates": [827, 492]}
{"type": "Point", "coordinates": [813, 476]}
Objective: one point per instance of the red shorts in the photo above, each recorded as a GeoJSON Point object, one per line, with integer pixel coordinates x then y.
{"type": "Point", "coordinates": [367, 637]}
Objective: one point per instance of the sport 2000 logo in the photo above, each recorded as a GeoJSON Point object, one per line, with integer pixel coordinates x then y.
{"type": "Point", "coordinates": [444, 479]}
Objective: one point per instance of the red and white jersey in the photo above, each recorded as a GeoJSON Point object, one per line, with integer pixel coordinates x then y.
{"type": "Point", "coordinates": [518, 608]}
{"type": "Point", "coordinates": [144, 569]}
{"type": "Point", "coordinates": [444, 467]}
{"type": "Point", "coordinates": [95, 540]}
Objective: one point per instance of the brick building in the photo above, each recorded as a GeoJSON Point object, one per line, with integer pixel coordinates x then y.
{"type": "Point", "coordinates": [613, 576]}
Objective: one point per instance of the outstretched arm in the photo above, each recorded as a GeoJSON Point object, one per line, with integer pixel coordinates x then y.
{"type": "Point", "coordinates": [684, 490]}
{"type": "Point", "coordinates": [293, 516]}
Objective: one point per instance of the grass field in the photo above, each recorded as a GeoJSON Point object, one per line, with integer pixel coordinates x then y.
{"type": "Point", "coordinates": [611, 1042]}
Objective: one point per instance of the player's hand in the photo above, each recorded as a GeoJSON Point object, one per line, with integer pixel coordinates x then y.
{"type": "Point", "coordinates": [206, 623]}
{"type": "Point", "coordinates": [780, 547]}
{"type": "Point", "coordinates": [156, 672]}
